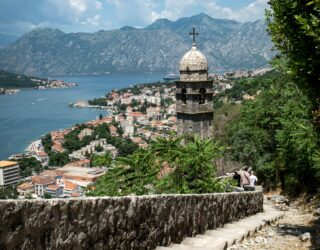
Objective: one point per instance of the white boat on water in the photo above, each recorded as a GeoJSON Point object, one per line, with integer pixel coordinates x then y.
{"type": "Point", "coordinates": [171, 77]}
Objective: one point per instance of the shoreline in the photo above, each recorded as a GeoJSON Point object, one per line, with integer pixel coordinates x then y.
{"type": "Point", "coordinates": [54, 84]}
{"type": "Point", "coordinates": [85, 104]}
{"type": "Point", "coordinates": [63, 116]}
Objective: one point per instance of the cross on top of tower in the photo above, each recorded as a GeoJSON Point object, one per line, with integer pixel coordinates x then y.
{"type": "Point", "coordinates": [194, 34]}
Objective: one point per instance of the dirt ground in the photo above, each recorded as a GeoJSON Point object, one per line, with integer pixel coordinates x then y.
{"type": "Point", "coordinates": [299, 229]}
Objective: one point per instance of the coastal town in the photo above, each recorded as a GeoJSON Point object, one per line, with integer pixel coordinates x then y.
{"type": "Point", "coordinates": [73, 159]}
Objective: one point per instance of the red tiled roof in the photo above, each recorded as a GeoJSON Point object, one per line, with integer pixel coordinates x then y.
{"type": "Point", "coordinates": [68, 185]}
{"type": "Point", "coordinates": [48, 173]}
{"type": "Point", "coordinates": [80, 163]}
{"type": "Point", "coordinates": [52, 187]}
{"type": "Point", "coordinates": [135, 114]}
{"type": "Point", "coordinates": [41, 180]}
{"type": "Point", "coordinates": [25, 185]}
{"type": "Point", "coordinates": [42, 154]}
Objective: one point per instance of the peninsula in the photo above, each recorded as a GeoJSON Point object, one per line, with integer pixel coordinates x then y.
{"type": "Point", "coordinates": [11, 83]}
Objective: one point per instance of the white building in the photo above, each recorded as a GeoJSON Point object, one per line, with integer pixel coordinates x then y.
{"type": "Point", "coordinates": [43, 157]}
{"type": "Point", "coordinates": [40, 184]}
{"type": "Point", "coordinates": [154, 99]}
{"type": "Point", "coordinates": [85, 132]}
{"type": "Point", "coordinates": [128, 128]}
{"type": "Point", "coordinates": [9, 173]}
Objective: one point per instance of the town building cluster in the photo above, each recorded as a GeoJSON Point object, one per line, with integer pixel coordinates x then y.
{"type": "Point", "coordinates": [139, 117]}
{"type": "Point", "coordinates": [144, 112]}
{"type": "Point", "coordinates": [65, 182]}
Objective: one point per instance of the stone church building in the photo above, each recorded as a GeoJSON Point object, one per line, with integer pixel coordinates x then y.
{"type": "Point", "coordinates": [194, 94]}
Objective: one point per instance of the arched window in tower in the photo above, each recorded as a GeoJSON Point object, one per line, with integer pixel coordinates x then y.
{"type": "Point", "coordinates": [184, 95]}
{"type": "Point", "coordinates": [202, 98]}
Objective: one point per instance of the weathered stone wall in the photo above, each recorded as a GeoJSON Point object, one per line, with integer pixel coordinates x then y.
{"type": "Point", "coordinates": [199, 124]}
{"type": "Point", "coordinates": [142, 222]}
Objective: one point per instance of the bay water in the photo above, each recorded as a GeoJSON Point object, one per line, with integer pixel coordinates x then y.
{"type": "Point", "coordinates": [26, 116]}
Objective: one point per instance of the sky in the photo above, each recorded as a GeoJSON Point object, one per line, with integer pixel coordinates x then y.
{"type": "Point", "coordinates": [20, 16]}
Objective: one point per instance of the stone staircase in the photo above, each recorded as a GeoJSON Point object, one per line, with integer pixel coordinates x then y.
{"type": "Point", "coordinates": [229, 234]}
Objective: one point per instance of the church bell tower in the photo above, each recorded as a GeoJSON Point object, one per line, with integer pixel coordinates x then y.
{"type": "Point", "coordinates": [194, 94]}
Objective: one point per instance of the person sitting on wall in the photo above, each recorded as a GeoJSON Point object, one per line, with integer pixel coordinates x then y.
{"type": "Point", "coordinates": [237, 177]}
{"type": "Point", "coordinates": [253, 179]}
{"type": "Point", "coordinates": [245, 176]}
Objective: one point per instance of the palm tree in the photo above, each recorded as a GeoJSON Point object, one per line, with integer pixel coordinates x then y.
{"type": "Point", "coordinates": [167, 149]}
{"type": "Point", "coordinates": [196, 167]}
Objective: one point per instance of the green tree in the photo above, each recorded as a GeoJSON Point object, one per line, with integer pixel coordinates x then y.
{"type": "Point", "coordinates": [125, 147]}
{"type": "Point", "coordinates": [130, 175]}
{"type": "Point", "coordinates": [135, 103]}
{"type": "Point", "coordinates": [102, 131]}
{"type": "Point", "coordinates": [47, 143]}
{"type": "Point", "coordinates": [98, 148]}
{"type": "Point", "coordinates": [101, 161]}
{"type": "Point", "coordinates": [192, 164]}
{"type": "Point", "coordinates": [72, 141]}
{"type": "Point", "coordinates": [195, 169]}
{"type": "Point", "coordinates": [98, 102]}
{"type": "Point", "coordinates": [294, 26]}
{"type": "Point", "coordinates": [47, 195]}
{"type": "Point", "coordinates": [9, 192]}
{"type": "Point", "coordinates": [122, 107]}
{"type": "Point", "coordinates": [58, 159]}
{"type": "Point", "coordinates": [144, 107]}
{"type": "Point", "coordinates": [29, 166]}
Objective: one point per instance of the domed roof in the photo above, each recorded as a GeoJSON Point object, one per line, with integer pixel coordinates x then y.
{"type": "Point", "coordinates": [193, 60]}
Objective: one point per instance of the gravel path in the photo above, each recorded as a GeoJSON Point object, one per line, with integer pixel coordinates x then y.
{"type": "Point", "coordinates": [299, 229]}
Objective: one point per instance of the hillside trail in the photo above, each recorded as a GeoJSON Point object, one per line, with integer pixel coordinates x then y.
{"type": "Point", "coordinates": [299, 229]}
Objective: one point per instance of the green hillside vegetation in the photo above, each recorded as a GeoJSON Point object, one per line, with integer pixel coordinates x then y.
{"type": "Point", "coordinates": [274, 134]}
{"type": "Point", "coordinates": [11, 80]}
{"type": "Point", "coordinates": [277, 133]}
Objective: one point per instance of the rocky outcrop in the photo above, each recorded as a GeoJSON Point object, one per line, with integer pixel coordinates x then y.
{"type": "Point", "coordinates": [227, 45]}
{"type": "Point", "coordinates": [132, 222]}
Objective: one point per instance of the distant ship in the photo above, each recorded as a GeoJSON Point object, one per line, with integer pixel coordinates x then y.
{"type": "Point", "coordinates": [171, 77]}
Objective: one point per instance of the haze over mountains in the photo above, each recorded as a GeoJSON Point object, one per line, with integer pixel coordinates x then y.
{"type": "Point", "coordinates": [227, 44]}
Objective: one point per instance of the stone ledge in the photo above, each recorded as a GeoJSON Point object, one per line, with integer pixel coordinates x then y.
{"type": "Point", "coordinates": [130, 222]}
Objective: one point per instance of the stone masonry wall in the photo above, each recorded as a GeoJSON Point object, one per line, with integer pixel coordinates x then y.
{"type": "Point", "coordinates": [132, 222]}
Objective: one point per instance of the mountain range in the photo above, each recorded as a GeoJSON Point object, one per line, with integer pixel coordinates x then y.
{"type": "Point", "coordinates": [228, 45]}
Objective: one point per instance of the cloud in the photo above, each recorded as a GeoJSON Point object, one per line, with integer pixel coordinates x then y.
{"type": "Point", "coordinates": [178, 8]}
{"type": "Point", "coordinates": [143, 12]}
{"type": "Point", "coordinates": [78, 5]}
{"type": "Point", "coordinates": [175, 9]}
{"type": "Point", "coordinates": [19, 16]}
{"type": "Point", "coordinates": [252, 12]}
{"type": "Point", "coordinates": [95, 20]}
{"type": "Point", "coordinates": [134, 12]}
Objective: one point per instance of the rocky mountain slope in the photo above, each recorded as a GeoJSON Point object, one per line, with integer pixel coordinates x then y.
{"type": "Point", "coordinates": [228, 45]}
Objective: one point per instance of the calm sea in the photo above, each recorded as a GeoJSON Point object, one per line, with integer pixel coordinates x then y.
{"type": "Point", "coordinates": [30, 114]}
